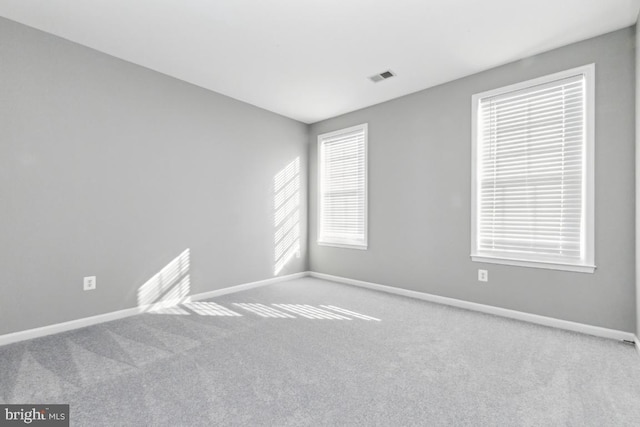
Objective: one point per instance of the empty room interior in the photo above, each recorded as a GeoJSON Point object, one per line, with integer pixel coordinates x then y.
{"type": "Point", "coordinates": [303, 213]}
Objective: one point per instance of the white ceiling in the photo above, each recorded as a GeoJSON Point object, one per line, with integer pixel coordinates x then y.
{"type": "Point", "coordinates": [311, 59]}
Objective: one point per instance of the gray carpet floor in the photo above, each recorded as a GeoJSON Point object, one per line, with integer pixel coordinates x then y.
{"type": "Point", "coordinates": [243, 360]}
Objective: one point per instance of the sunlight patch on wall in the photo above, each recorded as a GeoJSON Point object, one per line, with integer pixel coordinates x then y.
{"type": "Point", "coordinates": [169, 287]}
{"type": "Point", "coordinates": [287, 214]}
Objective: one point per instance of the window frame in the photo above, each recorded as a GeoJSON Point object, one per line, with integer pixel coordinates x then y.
{"type": "Point", "coordinates": [587, 263]}
{"type": "Point", "coordinates": [322, 240]}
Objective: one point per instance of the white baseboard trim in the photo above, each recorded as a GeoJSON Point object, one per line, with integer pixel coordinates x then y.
{"type": "Point", "coordinates": [68, 326]}
{"type": "Point", "coordinates": [247, 286]}
{"type": "Point", "coordinates": [513, 314]}
{"type": "Point", "coordinates": [504, 312]}
{"type": "Point", "coordinates": [121, 314]}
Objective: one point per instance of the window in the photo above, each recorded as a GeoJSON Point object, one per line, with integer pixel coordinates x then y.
{"type": "Point", "coordinates": [532, 190]}
{"type": "Point", "coordinates": [342, 159]}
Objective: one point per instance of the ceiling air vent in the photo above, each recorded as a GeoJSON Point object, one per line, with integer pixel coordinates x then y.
{"type": "Point", "coordinates": [382, 76]}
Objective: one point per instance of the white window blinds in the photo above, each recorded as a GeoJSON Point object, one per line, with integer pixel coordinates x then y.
{"type": "Point", "coordinates": [532, 194]}
{"type": "Point", "coordinates": [343, 187]}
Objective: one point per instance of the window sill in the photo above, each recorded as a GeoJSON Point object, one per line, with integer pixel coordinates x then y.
{"type": "Point", "coordinates": [344, 245]}
{"type": "Point", "coordinates": [535, 264]}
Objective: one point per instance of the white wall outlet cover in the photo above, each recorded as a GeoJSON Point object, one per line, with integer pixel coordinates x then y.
{"type": "Point", "coordinates": [483, 275]}
{"type": "Point", "coordinates": [89, 283]}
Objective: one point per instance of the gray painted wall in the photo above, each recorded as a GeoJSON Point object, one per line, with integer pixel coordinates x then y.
{"type": "Point", "coordinates": [420, 184]}
{"type": "Point", "coordinates": [637, 52]}
{"type": "Point", "coordinates": [113, 170]}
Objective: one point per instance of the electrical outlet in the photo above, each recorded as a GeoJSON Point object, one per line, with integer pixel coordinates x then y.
{"type": "Point", "coordinates": [89, 283]}
{"type": "Point", "coordinates": [483, 275]}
